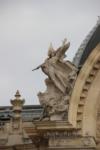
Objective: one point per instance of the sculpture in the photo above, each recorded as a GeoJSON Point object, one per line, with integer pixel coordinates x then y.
{"type": "Point", "coordinates": [61, 76]}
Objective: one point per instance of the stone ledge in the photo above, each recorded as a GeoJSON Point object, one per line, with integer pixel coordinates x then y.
{"type": "Point", "coordinates": [52, 125]}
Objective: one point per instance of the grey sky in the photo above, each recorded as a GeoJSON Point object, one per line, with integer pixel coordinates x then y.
{"type": "Point", "coordinates": [26, 29]}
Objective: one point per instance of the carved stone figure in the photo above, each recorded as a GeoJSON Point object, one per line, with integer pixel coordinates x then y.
{"type": "Point", "coordinates": [61, 76]}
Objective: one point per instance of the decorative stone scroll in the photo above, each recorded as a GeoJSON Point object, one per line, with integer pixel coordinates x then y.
{"type": "Point", "coordinates": [61, 77]}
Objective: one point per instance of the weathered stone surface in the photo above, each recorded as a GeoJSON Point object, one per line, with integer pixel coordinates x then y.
{"type": "Point", "coordinates": [61, 76]}
{"type": "Point", "coordinates": [81, 131]}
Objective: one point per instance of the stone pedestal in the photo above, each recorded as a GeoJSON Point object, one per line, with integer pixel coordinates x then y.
{"type": "Point", "coordinates": [61, 135]}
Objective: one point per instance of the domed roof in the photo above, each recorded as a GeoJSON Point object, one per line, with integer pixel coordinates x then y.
{"type": "Point", "coordinates": [90, 42]}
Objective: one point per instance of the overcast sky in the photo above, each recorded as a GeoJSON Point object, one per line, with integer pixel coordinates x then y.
{"type": "Point", "coordinates": [26, 29]}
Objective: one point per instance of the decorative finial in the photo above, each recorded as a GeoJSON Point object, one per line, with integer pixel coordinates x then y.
{"type": "Point", "coordinates": [17, 95]}
{"type": "Point", "coordinates": [17, 105]}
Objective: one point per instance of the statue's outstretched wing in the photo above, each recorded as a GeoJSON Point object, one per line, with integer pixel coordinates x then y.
{"type": "Point", "coordinates": [51, 50]}
{"type": "Point", "coordinates": [60, 53]}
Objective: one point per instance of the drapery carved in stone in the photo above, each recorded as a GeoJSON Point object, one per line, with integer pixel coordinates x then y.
{"type": "Point", "coordinates": [61, 76]}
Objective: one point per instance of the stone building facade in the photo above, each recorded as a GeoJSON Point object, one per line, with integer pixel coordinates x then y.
{"type": "Point", "coordinates": [69, 115]}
